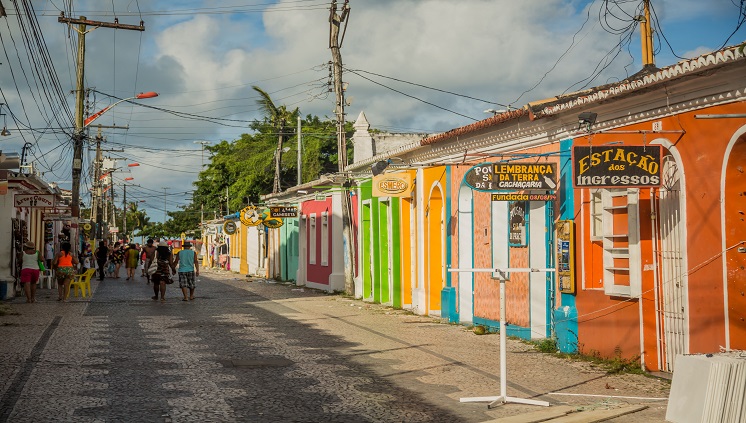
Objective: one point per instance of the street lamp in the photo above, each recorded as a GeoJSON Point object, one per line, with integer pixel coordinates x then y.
{"type": "Point", "coordinates": [80, 125]}
{"type": "Point", "coordinates": [91, 118]}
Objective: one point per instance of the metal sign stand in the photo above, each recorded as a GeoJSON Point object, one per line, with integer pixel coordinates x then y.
{"type": "Point", "coordinates": [503, 397]}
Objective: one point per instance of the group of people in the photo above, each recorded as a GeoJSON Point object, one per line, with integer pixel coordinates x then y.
{"type": "Point", "coordinates": [64, 264]}
{"type": "Point", "coordinates": [157, 261]}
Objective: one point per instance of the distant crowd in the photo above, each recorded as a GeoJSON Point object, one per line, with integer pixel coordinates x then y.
{"type": "Point", "coordinates": [154, 261]}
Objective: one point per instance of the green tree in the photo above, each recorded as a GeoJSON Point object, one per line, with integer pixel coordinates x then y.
{"type": "Point", "coordinates": [246, 166]}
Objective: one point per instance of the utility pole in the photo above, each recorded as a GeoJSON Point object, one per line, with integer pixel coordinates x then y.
{"type": "Point", "coordinates": [124, 212]}
{"type": "Point", "coordinates": [335, 44]}
{"type": "Point", "coordinates": [300, 146]}
{"type": "Point", "coordinates": [98, 204]}
{"type": "Point", "coordinates": [78, 135]}
{"type": "Point", "coordinates": [646, 37]}
{"type": "Point", "coordinates": [165, 212]}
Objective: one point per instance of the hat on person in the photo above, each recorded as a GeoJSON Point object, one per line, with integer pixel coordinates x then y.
{"type": "Point", "coordinates": [163, 244]}
{"type": "Point", "coordinates": [29, 244]}
{"type": "Point", "coordinates": [187, 244]}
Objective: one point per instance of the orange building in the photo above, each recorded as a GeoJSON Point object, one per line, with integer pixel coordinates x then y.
{"type": "Point", "coordinates": [660, 194]}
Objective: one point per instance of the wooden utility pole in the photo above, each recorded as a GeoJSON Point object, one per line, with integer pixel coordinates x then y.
{"type": "Point", "coordinates": [646, 38]}
{"type": "Point", "coordinates": [78, 136]}
{"type": "Point", "coordinates": [97, 205]}
{"type": "Point", "coordinates": [335, 44]}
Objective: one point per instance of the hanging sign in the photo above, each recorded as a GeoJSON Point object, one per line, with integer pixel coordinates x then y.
{"type": "Point", "coordinates": [518, 214]}
{"type": "Point", "coordinates": [392, 185]}
{"type": "Point", "coordinates": [229, 227]}
{"type": "Point", "coordinates": [614, 166]}
{"type": "Point", "coordinates": [516, 176]}
{"type": "Point", "coordinates": [34, 200]}
{"type": "Point", "coordinates": [283, 211]}
{"type": "Point", "coordinates": [272, 222]}
{"type": "Point", "coordinates": [250, 216]}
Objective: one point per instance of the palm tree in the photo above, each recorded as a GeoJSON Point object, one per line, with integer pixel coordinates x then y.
{"type": "Point", "coordinates": [279, 117]}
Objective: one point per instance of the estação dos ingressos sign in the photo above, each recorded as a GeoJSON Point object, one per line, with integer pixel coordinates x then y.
{"type": "Point", "coordinates": [616, 166]}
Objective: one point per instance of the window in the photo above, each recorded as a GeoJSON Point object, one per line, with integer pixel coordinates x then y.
{"type": "Point", "coordinates": [324, 239]}
{"type": "Point", "coordinates": [312, 239]}
{"type": "Point", "coordinates": [620, 236]}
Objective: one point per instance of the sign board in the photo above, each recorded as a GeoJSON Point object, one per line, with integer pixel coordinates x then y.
{"type": "Point", "coordinates": [250, 216]}
{"type": "Point", "coordinates": [616, 166]}
{"type": "Point", "coordinates": [34, 200]}
{"type": "Point", "coordinates": [522, 196]}
{"type": "Point", "coordinates": [320, 197]}
{"type": "Point", "coordinates": [392, 185]}
{"type": "Point", "coordinates": [229, 227]}
{"type": "Point", "coordinates": [565, 235]}
{"type": "Point", "coordinates": [518, 221]}
{"type": "Point", "coordinates": [113, 229]}
{"type": "Point", "coordinates": [57, 216]}
{"type": "Point", "coordinates": [514, 176]}
{"type": "Point", "coordinates": [283, 211]}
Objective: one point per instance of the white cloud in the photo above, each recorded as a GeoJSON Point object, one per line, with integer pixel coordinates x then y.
{"type": "Point", "coordinates": [204, 64]}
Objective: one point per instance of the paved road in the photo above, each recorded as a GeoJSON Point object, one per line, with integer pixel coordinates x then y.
{"type": "Point", "coordinates": [255, 351]}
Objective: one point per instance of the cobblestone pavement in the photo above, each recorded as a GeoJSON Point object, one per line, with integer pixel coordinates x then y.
{"type": "Point", "coordinates": [258, 351]}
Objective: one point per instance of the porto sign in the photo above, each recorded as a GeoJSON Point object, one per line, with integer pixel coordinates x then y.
{"type": "Point", "coordinates": [613, 166]}
{"type": "Point", "coordinates": [512, 176]}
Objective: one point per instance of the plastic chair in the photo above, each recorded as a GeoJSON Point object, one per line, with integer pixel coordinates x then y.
{"type": "Point", "coordinates": [47, 280]}
{"type": "Point", "coordinates": [81, 283]}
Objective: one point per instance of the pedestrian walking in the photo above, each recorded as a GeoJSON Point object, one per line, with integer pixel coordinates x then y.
{"type": "Point", "coordinates": [131, 258]}
{"type": "Point", "coordinates": [102, 255]}
{"type": "Point", "coordinates": [49, 253]}
{"type": "Point", "coordinates": [117, 257]}
{"type": "Point", "coordinates": [30, 270]}
{"type": "Point", "coordinates": [188, 267]}
{"type": "Point", "coordinates": [162, 276]}
{"type": "Point", "coordinates": [149, 251]}
{"type": "Point", "coordinates": [64, 269]}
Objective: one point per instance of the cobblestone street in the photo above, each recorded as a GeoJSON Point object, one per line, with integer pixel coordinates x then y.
{"type": "Point", "coordinates": [257, 351]}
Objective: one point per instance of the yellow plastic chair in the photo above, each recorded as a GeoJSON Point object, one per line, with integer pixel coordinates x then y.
{"type": "Point", "coordinates": [81, 283]}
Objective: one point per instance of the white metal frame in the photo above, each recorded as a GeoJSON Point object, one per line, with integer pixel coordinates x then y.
{"type": "Point", "coordinates": [503, 398]}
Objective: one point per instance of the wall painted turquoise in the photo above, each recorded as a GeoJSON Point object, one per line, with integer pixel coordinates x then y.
{"type": "Point", "coordinates": [566, 315]}
{"type": "Point", "coordinates": [289, 249]}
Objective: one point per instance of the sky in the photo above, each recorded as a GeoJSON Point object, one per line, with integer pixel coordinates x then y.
{"type": "Point", "coordinates": [412, 66]}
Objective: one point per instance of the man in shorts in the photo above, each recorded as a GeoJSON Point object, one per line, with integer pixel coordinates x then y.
{"type": "Point", "coordinates": [188, 267]}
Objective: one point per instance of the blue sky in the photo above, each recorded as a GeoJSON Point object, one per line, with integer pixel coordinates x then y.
{"type": "Point", "coordinates": [204, 56]}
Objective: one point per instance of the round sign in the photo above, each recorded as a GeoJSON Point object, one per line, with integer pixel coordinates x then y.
{"type": "Point", "coordinates": [229, 227]}
{"type": "Point", "coordinates": [250, 216]}
{"type": "Point", "coordinates": [87, 226]}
